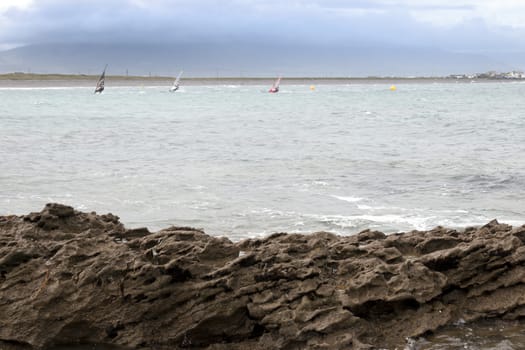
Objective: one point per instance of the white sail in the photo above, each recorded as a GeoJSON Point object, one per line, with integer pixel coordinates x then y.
{"type": "Point", "coordinates": [276, 84]}
{"type": "Point", "coordinates": [176, 83]}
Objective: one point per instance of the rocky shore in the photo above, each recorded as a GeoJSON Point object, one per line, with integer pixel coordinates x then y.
{"type": "Point", "coordinates": [71, 278]}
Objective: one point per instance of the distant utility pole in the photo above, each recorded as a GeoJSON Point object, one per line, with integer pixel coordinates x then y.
{"type": "Point", "coordinates": [126, 72]}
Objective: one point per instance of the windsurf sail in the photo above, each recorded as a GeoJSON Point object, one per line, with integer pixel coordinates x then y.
{"type": "Point", "coordinates": [100, 83]}
{"type": "Point", "coordinates": [275, 86]}
{"type": "Point", "coordinates": [176, 83]}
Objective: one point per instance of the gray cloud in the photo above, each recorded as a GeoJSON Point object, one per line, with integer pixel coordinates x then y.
{"type": "Point", "coordinates": [329, 22]}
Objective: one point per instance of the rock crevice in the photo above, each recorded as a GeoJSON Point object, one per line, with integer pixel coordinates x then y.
{"type": "Point", "coordinates": [68, 277]}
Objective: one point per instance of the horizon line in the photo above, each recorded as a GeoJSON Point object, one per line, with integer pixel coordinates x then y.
{"type": "Point", "coordinates": [81, 76]}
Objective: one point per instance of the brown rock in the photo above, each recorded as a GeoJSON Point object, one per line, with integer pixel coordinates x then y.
{"type": "Point", "coordinates": [69, 278]}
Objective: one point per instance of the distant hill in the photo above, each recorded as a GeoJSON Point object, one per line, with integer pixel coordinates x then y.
{"type": "Point", "coordinates": [242, 59]}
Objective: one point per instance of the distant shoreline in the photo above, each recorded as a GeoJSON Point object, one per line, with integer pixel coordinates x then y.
{"type": "Point", "coordinates": [82, 80]}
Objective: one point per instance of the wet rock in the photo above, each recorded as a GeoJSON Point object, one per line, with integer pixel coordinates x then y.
{"type": "Point", "coordinates": [368, 235]}
{"type": "Point", "coordinates": [135, 233]}
{"type": "Point", "coordinates": [69, 278]}
{"type": "Point", "coordinates": [59, 210]}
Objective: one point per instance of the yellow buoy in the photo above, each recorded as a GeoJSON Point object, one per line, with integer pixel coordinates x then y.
{"type": "Point", "coordinates": [312, 87]}
{"type": "Point", "coordinates": [393, 88]}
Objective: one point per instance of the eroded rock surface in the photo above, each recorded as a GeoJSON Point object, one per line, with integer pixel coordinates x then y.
{"type": "Point", "coordinates": [68, 277]}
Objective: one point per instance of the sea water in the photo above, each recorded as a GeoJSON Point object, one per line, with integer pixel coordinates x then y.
{"type": "Point", "coordinates": [240, 162]}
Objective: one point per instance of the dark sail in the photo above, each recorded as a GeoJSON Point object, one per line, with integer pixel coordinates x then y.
{"type": "Point", "coordinates": [100, 83]}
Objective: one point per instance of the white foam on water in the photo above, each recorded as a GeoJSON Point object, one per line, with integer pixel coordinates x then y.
{"type": "Point", "coordinates": [349, 199]}
{"type": "Point", "coordinates": [202, 205]}
{"type": "Point", "coordinates": [273, 213]}
{"type": "Point", "coordinates": [382, 221]}
{"type": "Point", "coordinates": [369, 207]}
{"type": "Point", "coordinates": [515, 223]}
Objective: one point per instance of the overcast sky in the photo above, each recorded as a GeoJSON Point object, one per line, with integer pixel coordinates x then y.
{"type": "Point", "coordinates": [408, 37]}
{"type": "Point", "coordinates": [457, 25]}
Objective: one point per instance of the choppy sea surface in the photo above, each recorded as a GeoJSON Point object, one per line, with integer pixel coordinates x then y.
{"type": "Point", "coordinates": [237, 161]}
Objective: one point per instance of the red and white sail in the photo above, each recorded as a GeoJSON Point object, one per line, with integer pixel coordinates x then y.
{"type": "Point", "coordinates": [275, 86]}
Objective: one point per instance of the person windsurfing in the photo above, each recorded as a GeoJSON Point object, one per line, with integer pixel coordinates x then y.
{"type": "Point", "coordinates": [275, 86]}
{"type": "Point", "coordinates": [100, 83]}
